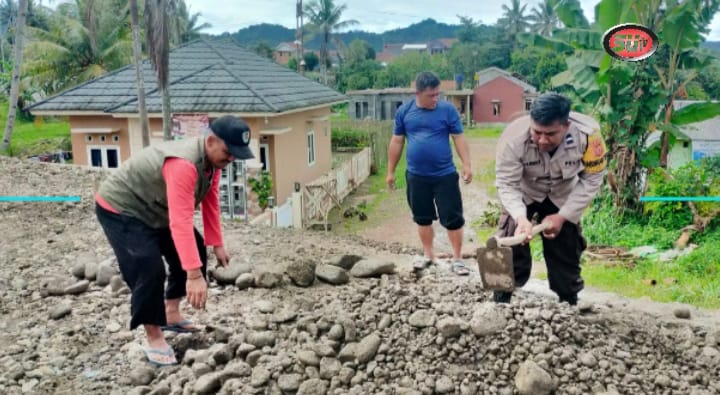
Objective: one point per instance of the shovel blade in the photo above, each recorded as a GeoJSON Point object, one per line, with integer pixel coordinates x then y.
{"type": "Point", "coordinates": [496, 268]}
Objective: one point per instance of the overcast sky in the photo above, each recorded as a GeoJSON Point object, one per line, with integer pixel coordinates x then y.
{"type": "Point", "coordinates": [373, 15]}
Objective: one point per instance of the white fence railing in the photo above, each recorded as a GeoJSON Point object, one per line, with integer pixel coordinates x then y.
{"type": "Point", "coordinates": [312, 205]}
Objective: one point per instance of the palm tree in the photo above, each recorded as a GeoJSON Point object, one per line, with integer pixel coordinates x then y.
{"type": "Point", "coordinates": [158, 45]}
{"type": "Point", "coordinates": [184, 26]}
{"type": "Point", "coordinates": [137, 52]}
{"type": "Point", "coordinates": [544, 19]}
{"type": "Point", "coordinates": [87, 38]}
{"type": "Point", "coordinates": [324, 17]}
{"type": "Point", "coordinates": [15, 82]}
{"type": "Point", "coordinates": [514, 20]}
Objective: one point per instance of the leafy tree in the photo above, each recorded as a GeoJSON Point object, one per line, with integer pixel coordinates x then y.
{"type": "Point", "coordinates": [709, 80]}
{"type": "Point", "coordinates": [358, 51]}
{"type": "Point", "coordinates": [292, 64]}
{"type": "Point", "coordinates": [311, 61]}
{"type": "Point", "coordinates": [263, 49]}
{"type": "Point", "coordinates": [360, 74]}
{"type": "Point", "coordinates": [469, 31]}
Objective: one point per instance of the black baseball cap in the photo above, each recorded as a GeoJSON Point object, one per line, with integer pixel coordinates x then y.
{"type": "Point", "coordinates": [235, 133]}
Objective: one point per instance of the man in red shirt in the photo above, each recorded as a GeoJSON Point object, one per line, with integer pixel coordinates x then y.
{"type": "Point", "coordinates": [146, 210]}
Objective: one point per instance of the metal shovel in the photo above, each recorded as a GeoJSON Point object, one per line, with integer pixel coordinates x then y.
{"type": "Point", "coordinates": [495, 260]}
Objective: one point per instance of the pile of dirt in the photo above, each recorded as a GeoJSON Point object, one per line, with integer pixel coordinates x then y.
{"type": "Point", "coordinates": [308, 313]}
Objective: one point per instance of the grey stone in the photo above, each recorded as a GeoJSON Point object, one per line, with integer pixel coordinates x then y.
{"type": "Point", "coordinates": [422, 318]}
{"type": "Point", "coordinates": [228, 275]}
{"type": "Point", "coordinates": [60, 311]}
{"type": "Point", "coordinates": [245, 281]}
{"type": "Point", "coordinates": [142, 375]}
{"type": "Point", "coordinates": [301, 273]}
{"type": "Point", "coordinates": [313, 387]}
{"type": "Point", "coordinates": [372, 268]}
{"type": "Point", "coordinates": [367, 348]}
{"type": "Point", "coordinates": [531, 379]}
{"type": "Point", "coordinates": [78, 288]}
{"type": "Point", "coordinates": [268, 279]}
{"type": "Point", "coordinates": [332, 274]}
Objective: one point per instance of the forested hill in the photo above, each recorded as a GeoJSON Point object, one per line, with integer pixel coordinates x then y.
{"type": "Point", "coordinates": [420, 32]}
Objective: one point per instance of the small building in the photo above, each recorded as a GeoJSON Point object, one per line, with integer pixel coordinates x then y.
{"type": "Point", "coordinates": [377, 104]}
{"type": "Point", "coordinates": [382, 104]}
{"type": "Point", "coordinates": [500, 96]}
{"type": "Point", "coordinates": [697, 140]}
{"type": "Point", "coordinates": [284, 52]}
{"type": "Point", "coordinates": [288, 114]}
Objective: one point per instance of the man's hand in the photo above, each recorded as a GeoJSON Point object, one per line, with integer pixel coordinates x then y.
{"type": "Point", "coordinates": [390, 181]}
{"type": "Point", "coordinates": [467, 174]}
{"type": "Point", "coordinates": [196, 289]}
{"type": "Point", "coordinates": [222, 256]}
{"type": "Point", "coordinates": [525, 227]}
{"type": "Point", "coordinates": [556, 222]}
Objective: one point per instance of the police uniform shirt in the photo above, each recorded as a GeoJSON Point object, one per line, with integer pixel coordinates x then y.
{"type": "Point", "coordinates": [571, 177]}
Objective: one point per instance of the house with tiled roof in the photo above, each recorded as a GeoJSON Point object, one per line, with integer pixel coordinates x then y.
{"type": "Point", "coordinates": [288, 114]}
{"type": "Point", "coordinates": [500, 96]}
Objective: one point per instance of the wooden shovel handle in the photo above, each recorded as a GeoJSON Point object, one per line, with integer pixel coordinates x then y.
{"type": "Point", "coordinates": [515, 240]}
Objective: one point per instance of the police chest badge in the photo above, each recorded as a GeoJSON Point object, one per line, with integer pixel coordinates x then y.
{"type": "Point", "coordinates": [594, 158]}
{"type": "Point", "coordinates": [246, 137]}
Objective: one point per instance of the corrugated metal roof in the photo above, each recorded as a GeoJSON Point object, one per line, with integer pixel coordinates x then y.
{"type": "Point", "coordinates": [205, 76]}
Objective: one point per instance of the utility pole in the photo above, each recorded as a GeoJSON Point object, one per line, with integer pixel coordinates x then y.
{"type": "Point", "coordinates": [299, 37]}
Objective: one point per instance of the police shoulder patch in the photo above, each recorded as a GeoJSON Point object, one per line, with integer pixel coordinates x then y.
{"type": "Point", "coordinates": [594, 158]}
{"type": "Point", "coordinates": [569, 139]}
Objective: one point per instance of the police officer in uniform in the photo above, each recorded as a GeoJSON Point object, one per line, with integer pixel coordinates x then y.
{"type": "Point", "coordinates": [550, 163]}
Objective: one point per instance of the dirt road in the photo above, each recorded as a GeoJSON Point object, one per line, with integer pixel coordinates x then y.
{"type": "Point", "coordinates": [393, 221]}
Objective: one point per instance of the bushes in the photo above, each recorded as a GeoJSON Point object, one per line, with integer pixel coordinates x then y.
{"type": "Point", "coordinates": [692, 179]}
{"type": "Point", "coordinates": [350, 139]}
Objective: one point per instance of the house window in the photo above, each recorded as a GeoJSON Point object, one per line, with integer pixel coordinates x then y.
{"type": "Point", "coordinates": [496, 108]}
{"type": "Point", "coordinates": [528, 104]}
{"type": "Point", "coordinates": [107, 157]}
{"type": "Point", "coordinates": [311, 147]}
{"type": "Point", "coordinates": [358, 114]}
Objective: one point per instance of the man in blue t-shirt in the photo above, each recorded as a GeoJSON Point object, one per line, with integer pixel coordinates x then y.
{"type": "Point", "coordinates": [433, 189]}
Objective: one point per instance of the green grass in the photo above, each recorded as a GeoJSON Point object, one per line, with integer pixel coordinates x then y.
{"type": "Point", "coordinates": [485, 132]}
{"type": "Point", "coordinates": [696, 275]}
{"type": "Point", "coordinates": [41, 136]}
{"type": "Point", "coordinates": [685, 280]}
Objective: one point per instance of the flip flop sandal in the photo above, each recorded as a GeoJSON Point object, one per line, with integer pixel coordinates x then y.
{"type": "Point", "coordinates": [422, 263]}
{"type": "Point", "coordinates": [184, 326]}
{"type": "Point", "coordinates": [460, 269]}
{"type": "Point", "coordinates": [153, 353]}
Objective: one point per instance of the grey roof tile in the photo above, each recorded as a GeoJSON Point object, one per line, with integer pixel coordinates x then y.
{"type": "Point", "coordinates": [205, 76]}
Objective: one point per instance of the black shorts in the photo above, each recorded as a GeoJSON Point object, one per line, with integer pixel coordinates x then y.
{"type": "Point", "coordinates": [433, 197]}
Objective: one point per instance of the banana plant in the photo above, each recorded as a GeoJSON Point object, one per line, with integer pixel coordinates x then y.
{"type": "Point", "coordinates": [635, 98]}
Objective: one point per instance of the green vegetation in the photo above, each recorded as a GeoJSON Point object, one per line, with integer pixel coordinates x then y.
{"type": "Point", "coordinates": [485, 132]}
{"type": "Point", "coordinates": [691, 278]}
{"type": "Point", "coordinates": [262, 186]}
{"type": "Point", "coordinates": [38, 136]}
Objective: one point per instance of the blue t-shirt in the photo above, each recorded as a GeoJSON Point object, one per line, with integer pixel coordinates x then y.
{"type": "Point", "coordinates": [428, 137]}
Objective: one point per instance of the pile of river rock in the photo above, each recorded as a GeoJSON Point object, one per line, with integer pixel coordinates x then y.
{"type": "Point", "coordinates": [308, 313]}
